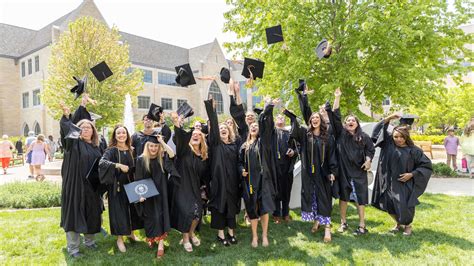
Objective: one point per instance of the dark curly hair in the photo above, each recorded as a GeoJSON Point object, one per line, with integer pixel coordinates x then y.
{"type": "Point", "coordinates": [323, 127]}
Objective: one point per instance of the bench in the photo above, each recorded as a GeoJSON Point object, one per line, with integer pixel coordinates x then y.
{"type": "Point", "coordinates": [17, 159]}
{"type": "Point", "coordinates": [426, 146]}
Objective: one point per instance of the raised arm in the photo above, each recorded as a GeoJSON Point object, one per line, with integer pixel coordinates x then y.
{"type": "Point", "coordinates": [167, 148]}
{"type": "Point", "coordinates": [237, 112]}
{"type": "Point", "coordinates": [214, 136]}
{"type": "Point", "coordinates": [297, 132]}
{"type": "Point", "coordinates": [304, 106]}
{"type": "Point", "coordinates": [267, 123]}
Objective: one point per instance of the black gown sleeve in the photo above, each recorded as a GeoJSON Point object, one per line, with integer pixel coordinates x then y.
{"type": "Point", "coordinates": [238, 114]}
{"type": "Point", "coordinates": [380, 135]}
{"type": "Point", "coordinates": [421, 175]}
{"type": "Point", "coordinates": [304, 107]}
{"type": "Point", "coordinates": [166, 133]}
{"type": "Point", "coordinates": [107, 170]}
{"type": "Point", "coordinates": [266, 126]}
{"type": "Point", "coordinates": [65, 125]}
{"type": "Point", "coordinates": [369, 148]}
{"type": "Point", "coordinates": [335, 122]}
{"type": "Point", "coordinates": [297, 132]}
{"type": "Point", "coordinates": [214, 136]}
{"type": "Point", "coordinates": [140, 169]}
{"type": "Point", "coordinates": [181, 138]}
{"type": "Point", "coordinates": [332, 156]}
{"type": "Point", "coordinates": [81, 113]}
{"type": "Point", "coordinates": [241, 164]}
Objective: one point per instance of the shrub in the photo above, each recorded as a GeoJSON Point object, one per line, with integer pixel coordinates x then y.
{"type": "Point", "coordinates": [443, 170]}
{"type": "Point", "coordinates": [435, 139]}
{"type": "Point", "coordinates": [30, 195]}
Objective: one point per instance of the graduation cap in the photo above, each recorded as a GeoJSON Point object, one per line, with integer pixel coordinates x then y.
{"type": "Point", "coordinates": [101, 71]}
{"type": "Point", "coordinates": [257, 110]}
{"type": "Point", "coordinates": [289, 114]}
{"type": "Point", "coordinates": [225, 75]}
{"type": "Point", "coordinates": [74, 132]}
{"type": "Point", "coordinates": [407, 119]}
{"type": "Point", "coordinates": [94, 116]}
{"type": "Point", "coordinates": [327, 106]}
{"type": "Point", "coordinates": [154, 112]}
{"type": "Point", "coordinates": [185, 110]}
{"type": "Point", "coordinates": [152, 138]}
{"type": "Point", "coordinates": [274, 34]}
{"type": "Point", "coordinates": [323, 49]}
{"type": "Point", "coordinates": [80, 88]}
{"type": "Point", "coordinates": [185, 75]}
{"type": "Point", "coordinates": [253, 68]}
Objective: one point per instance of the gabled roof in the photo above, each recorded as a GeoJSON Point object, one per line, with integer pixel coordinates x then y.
{"type": "Point", "coordinates": [14, 39]}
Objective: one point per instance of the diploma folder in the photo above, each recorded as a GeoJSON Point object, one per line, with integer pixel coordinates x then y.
{"type": "Point", "coordinates": [142, 188]}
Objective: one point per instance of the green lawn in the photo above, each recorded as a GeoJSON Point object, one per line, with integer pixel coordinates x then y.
{"type": "Point", "coordinates": [443, 234]}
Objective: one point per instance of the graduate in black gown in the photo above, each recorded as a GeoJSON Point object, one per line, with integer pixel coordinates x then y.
{"type": "Point", "coordinates": [257, 164]}
{"type": "Point", "coordinates": [402, 175]}
{"type": "Point", "coordinates": [81, 205]}
{"type": "Point", "coordinates": [225, 191]}
{"type": "Point", "coordinates": [191, 162]}
{"type": "Point", "coordinates": [140, 138]}
{"type": "Point", "coordinates": [116, 168]}
{"type": "Point", "coordinates": [355, 151]}
{"type": "Point", "coordinates": [318, 171]}
{"type": "Point", "coordinates": [286, 158]}
{"type": "Point", "coordinates": [156, 163]}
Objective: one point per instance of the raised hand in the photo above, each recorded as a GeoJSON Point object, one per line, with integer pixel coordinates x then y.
{"type": "Point", "coordinates": [338, 92]}
{"type": "Point", "coordinates": [66, 110]}
{"type": "Point", "coordinates": [276, 101]}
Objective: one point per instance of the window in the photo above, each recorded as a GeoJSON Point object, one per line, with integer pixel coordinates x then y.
{"type": "Point", "coordinates": [30, 66]}
{"type": "Point", "coordinates": [143, 102]}
{"type": "Point", "coordinates": [26, 99]}
{"type": "Point", "coordinates": [216, 94]}
{"type": "Point", "coordinates": [167, 79]}
{"type": "Point", "coordinates": [37, 129]}
{"type": "Point", "coordinates": [23, 69]}
{"type": "Point", "coordinates": [255, 99]}
{"type": "Point", "coordinates": [147, 76]}
{"type": "Point", "coordinates": [37, 63]}
{"type": "Point", "coordinates": [386, 101]}
{"type": "Point", "coordinates": [26, 129]}
{"type": "Point", "coordinates": [36, 97]}
{"type": "Point", "coordinates": [167, 103]}
{"type": "Point", "coordinates": [181, 101]}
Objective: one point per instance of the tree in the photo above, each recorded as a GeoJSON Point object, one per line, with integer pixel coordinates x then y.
{"type": "Point", "coordinates": [86, 43]}
{"type": "Point", "coordinates": [380, 48]}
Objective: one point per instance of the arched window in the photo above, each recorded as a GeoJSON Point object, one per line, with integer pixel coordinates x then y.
{"type": "Point", "coordinates": [26, 129]}
{"type": "Point", "coordinates": [37, 128]}
{"type": "Point", "coordinates": [216, 94]}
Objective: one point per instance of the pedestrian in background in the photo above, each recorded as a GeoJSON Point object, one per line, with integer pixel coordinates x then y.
{"type": "Point", "coordinates": [19, 146]}
{"type": "Point", "coordinates": [39, 150]}
{"type": "Point", "coordinates": [451, 144]}
{"type": "Point", "coordinates": [29, 140]}
{"type": "Point", "coordinates": [467, 146]}
{"type": "Point", "coordinates": [52, 147]}
{"type": "Point", "coordinates": [6, 148]}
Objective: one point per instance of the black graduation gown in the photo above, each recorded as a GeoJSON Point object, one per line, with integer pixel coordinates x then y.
{"type": "Point", "coordinates": [225, 190]}
{"type": "Point", "coordinates": [81, 205]}
{"type": "Point", "coordinates": [285, 164]}
{"type": "Point", "coordinates": [319, 156]}
{"type": "Point", "coordinates": [389, 194]}
{"type": "Point", "coordinates": [139, 139]}
{"type": "Point", "coordinates": [260, 162]}
{"type": "Point", "coordinates": [155, 211]}
{"type": "Point", "coordinates": [238, 114]}
{"type": "Point", "coordinates": [351, 156]}
{"type": "Point", "coordinates": [123, 217]}
{"type": "Point", "coordinates": [186, 203]}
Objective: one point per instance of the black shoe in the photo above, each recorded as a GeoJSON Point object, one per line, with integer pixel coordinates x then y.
{"type": "Point", "coordinates": [223, 241]}
{"type": "Point", "coordinates": [360, 231]}
{"type": "Point", "coordinates": [76, 255]}
{"type": "Point", "coordinates": [93, 246]}
{"type": "Point", "coordinates": [231, 239]}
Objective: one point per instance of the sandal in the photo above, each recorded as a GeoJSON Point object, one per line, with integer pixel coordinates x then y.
{"type": "Point", "coordinates": [343, 228]}
{"type": "Point", "coordinates": [223, 241]}
{"type": "Point", "coordinates": [407, 231]}
{"type": "Point", "coordinates": [361, 231]}
{"type": "Point", "coordinates": [196, 241]}
{"type": "Point", "coordinates": [396, 229]}
{"type": "Point", "coordinates": [188, 247]}
{"type": "Point", "coordinates": [327, 238]}
{"type": "Point", "coordinates": [231, 239]}
{"type": "Point", "coordinates": [315, 227]}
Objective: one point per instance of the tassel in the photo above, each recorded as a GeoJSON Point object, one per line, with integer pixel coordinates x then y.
{"type": "Point", "coordinates": [251, 189]}
{"type": "Point", "coordinates": [312, 168]}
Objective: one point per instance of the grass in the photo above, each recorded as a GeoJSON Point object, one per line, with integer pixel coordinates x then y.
{"type": "Point", "coordinates": [443, 234]}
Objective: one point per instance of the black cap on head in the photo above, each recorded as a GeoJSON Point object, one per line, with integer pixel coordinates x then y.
{"type": "Point", "coordinates": [154, 112]}
{"type": "Point", "coordinates": [257, 110]}
{"type": "Point", "coordinates": [274, 34]}
{"type": "Point", "coordinates": [152, 138]}
{"type": "Point", "coordinates": [101, 71]}
{"type": "Point", "coordinates": [225, 75]}
{"type": "Point", "coordinates": [185, 110]}
{"type": "Point", "coordinates": [407, 119]}
{"type": "Point", "coordinates": [323, 49]}
{"type": "Point", "coordinates": [253, 66]}
{"type": "Point", "coordinates": [185, 75]}
{"type": "Point", "coordinates": [80, 88]}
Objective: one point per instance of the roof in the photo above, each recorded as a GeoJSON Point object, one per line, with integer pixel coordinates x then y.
{"type": "Point", "coordinates": [14, 39]}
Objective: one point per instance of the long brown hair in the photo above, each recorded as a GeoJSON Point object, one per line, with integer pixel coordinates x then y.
{"type": "Point", "coordinates": [248, 142]}
{"type": "Point", "coordinates": [147, 156]}
{"type": "Point", "coordinates": [113, 141]}
{"type": "Point", "coordinates": [202, 147]}
{"type": "Point", "coordinates": [95, 136]}
{"type": "Point", "coordinates": [231, 137]}
{"type": "Point", "coordinates": [234, 125]}
{"type": "Point", "coordinates": [358, 133]}
{"type": "Point", "coordinates": [323, 128]}
{"type": "Point", "coordinates": [403, 130]}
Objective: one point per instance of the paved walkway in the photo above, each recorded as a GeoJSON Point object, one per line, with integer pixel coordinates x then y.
{"type": "Point", "coordinates": [20, 173]}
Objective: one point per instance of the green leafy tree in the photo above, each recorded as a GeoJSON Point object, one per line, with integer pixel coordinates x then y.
{"type": "Point", "coordinates": [380, 48]}
{"type": "Point", "coordinates": [86, 43]}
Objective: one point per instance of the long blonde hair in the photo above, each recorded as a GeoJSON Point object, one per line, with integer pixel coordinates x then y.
{"type": "Point", "coordinates": [231, 137]}
{"type": "Point", "coordinates": [202, 147]}
{"type": "Point", "coordinates": [147, 156]}
{"type": "Point", "coordinates": [95, 136]}
{"type": "Point", "coordinates": [248, 141]}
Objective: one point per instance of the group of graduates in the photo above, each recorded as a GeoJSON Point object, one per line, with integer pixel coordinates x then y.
{"type": "Point", "coordinates": [214, 166]}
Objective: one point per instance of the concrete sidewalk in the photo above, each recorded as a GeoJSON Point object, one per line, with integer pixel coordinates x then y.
{"type": "Point", "coordinates": [20, 173]}
{"type": "Point", "coordinates": [451, 186]}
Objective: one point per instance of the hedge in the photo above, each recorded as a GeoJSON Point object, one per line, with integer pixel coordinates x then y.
{"type": "Point", "coordinates": [435, 139]}
{"type": "Point", "coordinates": [21, 195]}
{"type": "Point", "coordinates": [443, 169]}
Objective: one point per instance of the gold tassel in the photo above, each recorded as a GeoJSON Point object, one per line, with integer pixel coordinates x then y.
{"type": "Point", "coordinates": [312, 168]}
